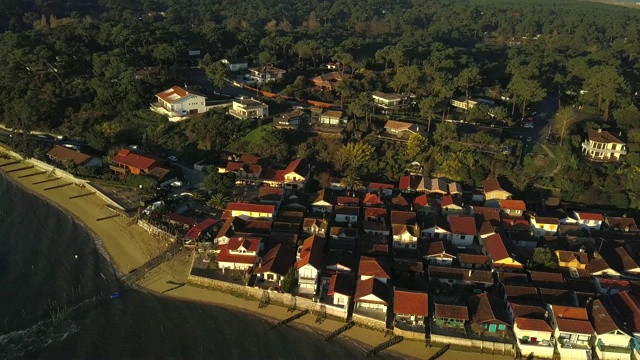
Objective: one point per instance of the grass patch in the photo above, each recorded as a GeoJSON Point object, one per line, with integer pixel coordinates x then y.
{"type": "Point", "coordinates": [252, 140]}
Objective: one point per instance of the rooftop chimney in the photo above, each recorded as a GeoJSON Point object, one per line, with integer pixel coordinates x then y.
{"type": "Point", "coordinates": [599, 131]}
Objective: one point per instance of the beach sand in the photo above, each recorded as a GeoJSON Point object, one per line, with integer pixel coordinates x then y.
{"type": "Point", "coordinates": [129, 246]}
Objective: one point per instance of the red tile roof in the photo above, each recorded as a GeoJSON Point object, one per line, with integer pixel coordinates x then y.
{"type": "Point", "coordinates": [380, 186]}
{"type": "Point", "coordinates": [226, 256]}
{"type": "Point", "coordinates": [347, 200]}
{"type": "Point", "coordinates": [465, 225]}
{"type": "Point", "coordinates": [546, 220]}
{"type": "Point", "coordinates": [495, 247]}
{"type": "Point", "coordinates": [63, 154]}
{"type": "Point", "coordinates": [629, 305]}
{"type": "Point", "coordinates": [180, 219]}
{"type": "Point", "coordinates": [603, 318]}
{"type": "Point", "coordinates": [488, 308]}
{"type": "Point", "coordinates": [450, 200]}
{"type": "Point", "coordinates": [341, 283]}
{"type": "Point", "coordinates": [346, 210]}
{"type": "Point", "coordinates": [403, 217]}
{"type": "Point", "coordinates": [371, 200]}
{"type": "Point", "coordinates": [173, 94]}
{"type": "Point", "coordinates": [603, 137]}
{"type": "Point", "coordinates": [617, 284]}
{"type": "Point", "coordinates": [590, 216]}
{"type": "Point", "coordinates": [491, 184]}
{"type": "Point", "coordinates": [278, 260]}
{"type": "Point", "coordinates": [410, 303]}
{"type": "Point", "coordinates": [473, 259]}
{"type": "Point", "coordinates": [437, 248]}
{"type": "Point", "coordinates": [247, 207]}
{"type": "Point", "coordinates": [298, 166]}
{"type": "Point", "coordinates": [374, 267]}
{"type": "Point", "coordinates": [196, 231]}
{"type": "Point", "coordinates": [375, 212]}
{"type": "Point", "coordinates": [311, 252]}
{"type": "Point", "coordinates": [374, 287]}
{"type": "Point", "coordinates": [127, 158]}
{"type": "Point", "coordinates": [533, 324]}
{"type": "Point", "coordinates": [249, 244]}
{"type": "Point", "coordinates": [574, 326]}
{"type": "Point", "coordinates": [569, 312]}
{"type": "Point", "coordinates": [513, 205]}
{"type": "Point", "coordinates": [405, 182]}
{"type": "Point", "coordinates": [450, 311]}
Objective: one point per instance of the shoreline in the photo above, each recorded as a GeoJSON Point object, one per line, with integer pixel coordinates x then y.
{"type": "Point", "coordinates": [126, 247]}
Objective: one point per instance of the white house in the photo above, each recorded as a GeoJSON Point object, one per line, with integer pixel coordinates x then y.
{"type": "Point", "coordinates": [463, 230]}
{"type": "Point", "coordinates": [236, 64]}
{"type": "Point", "coordinates": [296, 173]}
{"type": "Point", "coordinates": [572, 331]}
{"type": "Point", "coordinates": [438, 254]}
{"type": "Point", "coordinates": [178, 103]}
{"type": "Point", "coordinates": [405, 236]}
{"type": "Point", "coordinates": [238, 253]}
{"type": "Point", "coordinates": [323, 202]}
{"type": "Point", "coordinates": [341, 289]}
{"type": "Point", "coordinates": [309, 263]}
{"type": "Point", "coordinates": [333, 118]}
{"type": "Point", "coordinates": [534, 336]}
{"type": "Point", "coordinates": [264, 74]}
{"type": "Point", "coordinates": [249, 109]}
{"type": "Point", "coordinates": [275, 264]}
{"type": "Point", "coordinates": [372, 294]}
{"type": "Point", "coordinates": [461, 102]}
{"type": "Point", "coordinates": [434, 228]}
{"type": "Point", "coordinates": [589, 221]}
{"type": "Point", "coordinates": [601, 145]}
{"type": "Point", "coordinates": [410, 307]}
{"type": "Point", "coordinates": [346, 214]}
{"type": "Point", "coordinates": [544, 226]}
{"type": "Point", "coordinates": [610, 341]}
{"type": "Point", "coordinates": [388, 102]}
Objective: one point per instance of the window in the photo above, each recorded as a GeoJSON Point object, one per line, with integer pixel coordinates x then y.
{"type": "Point", "coordinates": [461, 237]}
{"type": "Point", "coordinates": [501, 327]}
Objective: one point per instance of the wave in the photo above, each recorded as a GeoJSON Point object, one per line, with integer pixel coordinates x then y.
{"type": "Point", "coordinates": [17, 344]}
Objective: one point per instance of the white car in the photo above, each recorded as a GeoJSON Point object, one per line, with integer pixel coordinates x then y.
{"type": "Point", "coordinates": [173, 158]}
{"type": "Point", "coordinates": [176, 184]}
{"type": "Point", "coordinates": [529, 139]}
{"type": "Point", "coordinates": [528, 125]}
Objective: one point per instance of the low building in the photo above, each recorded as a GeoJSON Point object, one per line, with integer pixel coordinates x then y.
{"type": "Point", "coordinates": [513, 207]}
{"type": "Point", "coordinates": [438, 253]}
{"type": "Point", "coordinates": [276, 263]}
{"type": "Point", "coordinates": [601, 145]}
{"type": "Point", "coordinates": [236, 64]}
{"type": "Point", "coordinates": [346, 214]}
{"type": "Point", "coordinates": [494, 190]}
{"type": "Point", "coordinates": [333, 118]}
{"type": "Point", "coordinates": [248, 210]}
{"type": "Point", "coordinates": [389, 102]}
{"type": "Point", "coordinates": [589, 221]}
{"type": "Point", "coordinates": [405, 230]}
{"type": "Point", "coordinates": [341, 289]}
{"type": "Point", "coordinates": [128, 162]}
{"type": "Point", "coordinates": [451, 315]}
{"type": "Point", "coordinates": [544, 226]}
{"type": "Point", "coordinates": [63, 155]}
{"type": "Point", "coordinates": [572, 331]}
{"type": "Point", "coordinates": [201, 231]}
{"type": "Point", "coordinates": [296, 173]}
{"type": "Point", "coordinates": [177, 103]}
{"type": "Point", "coordinates": [463, 103]}
{"type": "Point", "coordinates": [463, 230]}
{"type": "Point", "coordinates": [458, 276]}
{"type": "Point", "coordinates": [309, 263]}
{"type": "Point", "coordinates": [611, 338]}
{"type": "Point", "coordinates": [489, 312]}
{"type": "Point", "coordinates": [249, 109]}
{"type": "Point", "coordinates": [264, 74]}
{"type": "Point", "coordinates": [410, 307]}
{"type": "Point", "coordinates": [622, 224]}
{"type": "Point", "coordinates": [372, 294]}
{"type": "Point", "coordinates": [238, 254]}
{"type": "Point", "coordinates": [496, 249]}
{"type": "Point", "coordinates": [290, 120]}
{"type": "Point", "coordinates": [534, 336]}
{"type": "Point", "coordinates": [328, 81]}
{"type": "Point", "coordinates": [404, 129]}
{"type": "Point", "coordinates": [451, 205]}
{"type": "Point", "coordinates": [371, 267]}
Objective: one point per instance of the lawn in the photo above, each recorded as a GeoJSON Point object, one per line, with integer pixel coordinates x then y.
{"type": "Point", "coordinates": [251, 140]}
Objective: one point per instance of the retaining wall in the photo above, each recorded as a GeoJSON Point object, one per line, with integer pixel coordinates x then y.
{"type": "Point", "coordinates": [369, 322]}
{"type": "Point", "coordinates": [413, 335]}
{"type": "Point", "coordinates": [481, 346]}
{"type": "Point", "coordinates": [539, 351]}
{"type": "Point", "coordinates": [256, 294]}
{"type": "Point", "coordinates": [155, 231]}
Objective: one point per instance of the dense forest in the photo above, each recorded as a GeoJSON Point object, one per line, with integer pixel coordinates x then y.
{"type": "Point", "coordinates": [70, 66]}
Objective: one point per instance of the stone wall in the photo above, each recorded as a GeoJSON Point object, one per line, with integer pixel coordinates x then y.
{"type": "Point", "coordinates": [413, 335]}
{"type": "Point", "coordinates": [481, 346]}
{"type": "Point", "coordinates": [545, 352]}
{"type": "Point", "coordinates": [369, 322]}
{"type": "Point", "coordinates": [253, 293]}
{"type": "Point", "coordinates": [155, 231]}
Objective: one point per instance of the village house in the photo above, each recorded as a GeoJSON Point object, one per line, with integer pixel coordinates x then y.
{"type": "Point", "coordinates": [572, 331]}
{"type": "Point", "coordinates": [247, 210]}
{"type": "Point", "coordinates": [463, 230]}
{"type": "Point", "coordinates": [439, 254]}
{"type": "Point", "coordinates": [425, 206]}
{"type": "Point", "coordinates": [589, 221]}
{"type": "Point", "coordinates": [238, 253]}
{"type": "Point", "coordinates": [376, 228]}
{"type": "Point", "coordinates": [451, 315]}
{"type": "Point", "coordinates": [403, 129]}
{"type": "Point", "coordinates": [341, 237]}
{"type": "Point", "coordinates": [544, 226]}
{"type": "Point", "coordinates": [489, 312]}
{"type": "Point", "coordinates": [602, 145]}
{"type": "Point", "coordinates": [322, 202]}
{"type": "Point", "coordinates": [435, 186]}
{"type": "Point", "coordinates": [464, 104]}
{"type": "Point", "coordinates": [623, 224]}
{"type": "Point", "coordinates": [270, 195]}
{"type": "Point", "coordinates": [200, 231]}
{"type": "Point", "coordinates": [296, 173]}
{"type": "Point", "coordinates": [180, 221]}
{"type": "Point", "coordinates": [493, 190]}
{"type": "Point", "coordinates": [434, 227]}
{"type": "Point", "coordinates": [372, 200]}
{"type": "Point", "coordinates": [329, 80]}
{"type": "Point", "coordinates": [496, 249]}
{"type": "Point", "coordinates": [340, 261]}
{"type": "Point", "coordinates": [458, 276]}
{"type": "Point", "coordinates": [473, 261]}
{"type": "Point", "coordinates": [128, 162]}
{"type": "Point", "coordinates": [372, 294]}
{"type": "Point", "coordinates": [380, 188]}
{"type": "Point", "coordinates": [236, 64]}
{"type": "Point", "coordinates": [572, 259]}
{"type": "Point", "coordinates": [291, 119]}
{"type": "Point", "coordinates": [371, 267]}
{"type": "Point", "coordinates": [314, 226]}
{"type": "Point", "coordinates": [409, 183]}
{"type": "Point", "coordinates": [399, 203]}
{"type": "Point", "coordinates": [611, 286]}
{"type": "Point", "coordinates": [611, 338]}
{"type": "Point", "coordinates": [410, 307]}
{"type": "Point", "coordinates": [613, 261]}
{"type": "Point", "coordinates": [375, 214]}
{"type": "Point", "coordinates": [519, 291]}
{"type": "Point", "coordinates": [177, 103]}
{"type": "Point", "coordinates": [513, 207]}
{"type": "Point", "coordinates": [340, 289]}
{"type": "Point", "coordinates": [275, 264]}
{"type": "Point", "coordinates": [405, 230]}
{"type": "Point", "coordinates": [628, 305]}
{"type": "Point", "coordinates": [248, 108]}
{"type": "Point", "coordinates": [333, 118]}
{"type": "Point", "coordinates": [451, 205]}
{"type": "Point", "coordinates": [264, 74]}
{"type": "Point", "coordinates": [389, 102]}
{"type": "Point", "coordinates": [309, 263]}
{"type": "Point", "coordinates": [526, 308]}
{"type": "Point", "coordinates": [533, 336]}
{"type": "Point", "coordinates": [346, 214]}
{"type": "Point", "coordinates": [517, 225]}
{"type": "Point", "coordinates": [63, 155]}
{"type": "Point", "coordinates": [239, 227]}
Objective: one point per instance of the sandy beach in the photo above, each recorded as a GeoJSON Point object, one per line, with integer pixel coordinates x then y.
{"type": "Point", "coordinates": [129, 246]}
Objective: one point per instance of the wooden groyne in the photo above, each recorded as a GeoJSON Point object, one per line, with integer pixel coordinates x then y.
{"type": "Point", "coordinates": [339, 331]}
{"type": "Point", "coordinates": [394, 340]}
{"type": "Point", "coordinates": [440, 352]}
{"type": "Point", "coordinates": [45, 181]}
{"type": "Point", "coordinates": [290, 319]}
{"type": "Point", "coordinates": [58, 186]}
{"type": "Point", "coordinates": [20, 169]}
{"type": "Point", "coordinates": [34, 174]}
{"type": "Point", "coordinates": [135, 275]}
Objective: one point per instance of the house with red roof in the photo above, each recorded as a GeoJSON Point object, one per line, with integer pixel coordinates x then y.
{"type": "Point", "coordinates": [238, 253]}
{"type": "Point", "coordinates": [534, 335]}
{"type": "Point", "coordinates": [494, 190]}
{"type": "Point", "coordinates": [513, 207]}
{"type": "Point", "coordinates": [341, 289]}
{"type": "Point", "coordinates": [451, 204]}
{"type": "Point", "coordinates": [439, 253]}
{"type": "Point", "coordinates": [434, 227]}
{"type": "Point", "coordinates": [128, 162]}
{"type": "Point", "coordinates": [572, 331]}
{"type": "Point", "coordinates": [489, 312]}
{"type": "Point", "coordinates": [409, 183]}
{"type": "Point", "coordinates": [275, 264]}
{"type": "Point", "coordinates": [381, 188]}
{"type": "Point", "coordinates": [373, 294]}
{"type": "Point", "coordinates": [463, 230]}
{"type": "Point", "coordinates": [248, 210]}
{"type": "Point", "coordinates": [177, 103]}
{"type": "Point", "coordinates": [296, 173]}
{"type": "Point", "coordinates": [309, 263]}
{"type": "Point", "coordinates": [496, 249]}
{"type": "Point", "coordinates": [628, 304]}
{"type": "Point", "coordinates": [425, 205]}
{"type": "Point", "coordinates": [410, 307]}
{"type": "Point", "coordinates": [63, 155]}
{"type": "Point", "coordinates": [371, 267]}
{"type": "Point", "coordinates": [202, 230]}
{"type": "Point", "coordinates": [589, 221]}
{"type": "Point", "coordinates": [610, 329]}
{"type": "Point", "coordinates": [371, 199]}
{"type": "Point", "coordinates": [544, 226]}
{"type": "Point", "coordinates": [451, 315]}
{"type": "Point", "coordinates": [405, 230]}
{"type": "Point", "coordinates": [346, 214]}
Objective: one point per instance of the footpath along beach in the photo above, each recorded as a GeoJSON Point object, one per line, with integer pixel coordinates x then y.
{"type": "Point", "coordinates": [129, 246]}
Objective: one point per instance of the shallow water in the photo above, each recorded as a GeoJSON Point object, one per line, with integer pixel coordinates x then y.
{"type": "Point", "coordinates": [55, 304]}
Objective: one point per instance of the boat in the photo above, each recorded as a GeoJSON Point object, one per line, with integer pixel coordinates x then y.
{"type": "Point", "coordinates": [114, 295]}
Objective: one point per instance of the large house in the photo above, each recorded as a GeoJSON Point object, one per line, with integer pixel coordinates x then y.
{"type": "Point", "coordinates": [388, 102]}
{"type": "Point", "coordinates": [489, 312]}
{"type": "Point", "coordinates": [290, 120]}
{"type": "Point", "coordinates": [333, 118]}
{"type": "Point", "coordinates": [251, 210]}
{"type": "Point", "coordinates": [264, 74]}
{"type": "Point", "coordinates": [236, 64]}
{"type": "Point", "coordinates": [572, 331]}
{"type": "Point", "coordinates": [405, 230]}
{"type": "Point", "coordinates": [341, 289]}
{"type": "Point", "coordinates": [276, 263]}
{"type": "Point", "coordinates": [296, 173]}
{"type": "Point", "coordinates": [410, 307]}
{"type": "Point", "coordinates": [601, 145]}
{"type": "Point", "coordinates": [493, 190]}
{"type": "Point", "coordinates": [238, 253]}
{"type": "Point", "coordinates": [328, 81]}
{"type": "Point", "coordinates": [63, 155]}
{"type": "Point", "coordinates": [309, 263]}
{"type": "Point", "coordinates": [128, 162]}
{"type": "Point", "coordinates": [403, 129]}
{"type": "Point", "coordinates": [372, 294]}
{"type": "Point", "coordinates": [249, 109]}
{"type": "Point", "coordinates": [177, 103]}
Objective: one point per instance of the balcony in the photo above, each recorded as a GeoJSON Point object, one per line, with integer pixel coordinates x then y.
{"type": "Point", "coordinates": [614, 349]}
{"type": "Point", "coordinates": [602, 153]}
{"type": "Point", "coordinates": [172, 115]}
